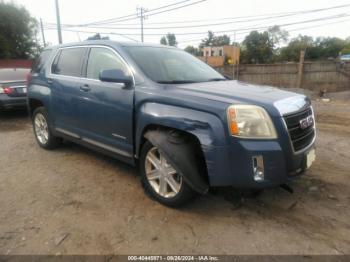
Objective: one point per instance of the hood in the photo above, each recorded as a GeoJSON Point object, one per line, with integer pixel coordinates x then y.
{"type": "Point", "coordinates": [236, 92]}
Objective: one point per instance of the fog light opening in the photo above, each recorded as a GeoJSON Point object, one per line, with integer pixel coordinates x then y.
{"type": "Point", "coordinates": [258, 168]}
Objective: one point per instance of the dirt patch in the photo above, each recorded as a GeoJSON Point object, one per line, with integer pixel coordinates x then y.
{"type": "Point", "coordinates": [13, 121]}
{"type": "Point", "coordinates": [75, 201]}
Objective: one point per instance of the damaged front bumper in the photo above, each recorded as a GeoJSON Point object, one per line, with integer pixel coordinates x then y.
{"type": "Point", "coordinates": [255, 164]}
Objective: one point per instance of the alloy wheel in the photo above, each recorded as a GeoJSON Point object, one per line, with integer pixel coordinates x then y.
{"type": "Point", "coordinates": [41, 128]}
{"type": "Point", "coordinates": [163, 178]}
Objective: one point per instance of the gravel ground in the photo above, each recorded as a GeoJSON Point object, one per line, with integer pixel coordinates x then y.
{"type": "Point", "coordinates": [75, 201]}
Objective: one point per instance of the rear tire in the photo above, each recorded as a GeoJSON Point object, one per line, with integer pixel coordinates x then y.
{"type": "Point", "coordinates": [42, 130]}
{"type": "Point", "coordinates": [160, 180]}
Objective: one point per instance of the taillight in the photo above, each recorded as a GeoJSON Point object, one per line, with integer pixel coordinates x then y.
{"type": "Point", "coordinates": [29, 78]}
{"type": "Point", "coordinates": [8, 90]}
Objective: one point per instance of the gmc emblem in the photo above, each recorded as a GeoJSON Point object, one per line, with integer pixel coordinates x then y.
{"type": "Point", "coordinates": [306, 122]}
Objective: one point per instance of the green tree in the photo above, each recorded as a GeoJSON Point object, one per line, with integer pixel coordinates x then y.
{"type": "Point", "coordinates": [193, 50]}
{"type": "Point", "coordinates": [319, 49]}
{"type": "Point", "coordinates": [163, 41]}
{"type": "Point", "coordinates": [213, 40]}
{"type": "Point", "coordinates": [257, 48]}
{"type": "Point", "coordinates": [329, 47]}
{"type": "Point", "coordinates": [292, 51]}
{"type": "Point", "coordinates": [169, 39]}
{"type": "Point", "coordinates": [208, 41]}
{"type": "Point", "coordinates": [17, 32]}
{"type": "Point", "coordinates": [346, 49]}
{"type": "Point", "coordinates": [221, 40]}
{"type": "Point", "coordinates": [277, 35]}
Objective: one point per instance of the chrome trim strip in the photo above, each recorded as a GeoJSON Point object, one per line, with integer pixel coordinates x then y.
{"type": "Point", "coordinates": [66, 132]}
{"type": "Point", "coordinates": [93, 142]}
{"type": "Point", "coordinates": [109, 148]}
{"type": "Point", "coordinates": [17, 86]}
{"type": "Point", "coordinates": [52, 75]}
{"type": "Point", "coordinates": [12, 81]}
{"type": "Point", "coordinates": [119, 136]}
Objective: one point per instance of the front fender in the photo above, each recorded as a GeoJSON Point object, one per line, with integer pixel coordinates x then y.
{"type": "Point", "coordinates": [208, 128]}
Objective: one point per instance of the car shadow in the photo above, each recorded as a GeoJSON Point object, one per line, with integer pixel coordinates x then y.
{"type": "Point", "coordinates": [72, 147]}
{"type": "Point", "coordinates": [13, 120]}
{"type": "Point", "coordinates": [217, 199]}
{"type": "Point", "coordinates": [273, 206]}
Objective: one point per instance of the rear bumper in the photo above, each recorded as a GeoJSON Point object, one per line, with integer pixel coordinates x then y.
{"type": "Point", "coordinates": [8, 103]}
{"type": "Point", "coordinates": [233, 165]}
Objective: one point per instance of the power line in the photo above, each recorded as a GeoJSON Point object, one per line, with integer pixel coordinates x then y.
{"type": "Point", "coordinates": [128, 17]}
{"type": "Point", "coordinates": [282, 15]}
{"type": "Point", "coordinates": [250, 28]}
{"type": "Point", "coordinates": [239, 17]}
{"type": "Point", "coordinates": [270, 15]}
{"type": "Point", "coordinates": [131, 15]}
{"type": "Point", "coordinates": [95, 32]}
{"type": "Point", "coordinates": [175, 8]}
{"type": "Point", "coordinates": [148, 13]}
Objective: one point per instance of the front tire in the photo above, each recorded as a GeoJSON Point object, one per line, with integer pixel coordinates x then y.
{"type": "Point", "coordinates": [162, 181]}
{"type": "Point", "coordinates": [42, 130]}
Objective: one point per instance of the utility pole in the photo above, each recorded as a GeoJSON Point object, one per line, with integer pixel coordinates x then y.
{"type": "Point", "coordinates": [142, 17]}
{"type": "Point", "coordinates": [42, 31]}
{"type": "Point", "coordinates": [301, 68]}
{"type": "Point", "coordinates": [58, 23]}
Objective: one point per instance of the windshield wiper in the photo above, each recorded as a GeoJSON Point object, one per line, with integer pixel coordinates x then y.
{"type": "Point", "coordinates": [177, 82]}
{"type": "Point", "coordinates": [217, 79]}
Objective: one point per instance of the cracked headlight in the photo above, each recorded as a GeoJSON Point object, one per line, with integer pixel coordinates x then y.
{"type": "Point", "coordinates": [249, 121]}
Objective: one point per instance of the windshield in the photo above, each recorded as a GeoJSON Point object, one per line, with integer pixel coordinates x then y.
{"type": "Point", "coordinates": [171, 66]}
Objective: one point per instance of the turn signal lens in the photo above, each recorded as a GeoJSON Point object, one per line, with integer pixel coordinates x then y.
{"type": "Point", "coordinates": [233, 126]}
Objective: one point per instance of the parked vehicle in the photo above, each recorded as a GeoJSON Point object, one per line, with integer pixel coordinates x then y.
{"type": "Point", "coordinates": [13, 89]}
{"type": "Point", "coordinates": [345, 58]}
{"type": "Point", "coordinates": [185, 125]}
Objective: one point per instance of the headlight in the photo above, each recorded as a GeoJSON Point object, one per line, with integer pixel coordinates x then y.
{"type": "Point", "coordinates": [250, 121]}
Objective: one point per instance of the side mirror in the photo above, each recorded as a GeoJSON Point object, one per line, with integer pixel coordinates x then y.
{"type": "Point", "coordinates": [115, 76]}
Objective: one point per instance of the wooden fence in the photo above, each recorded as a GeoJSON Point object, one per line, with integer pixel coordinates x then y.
{"type": "Point", "coordinates": [316, 76]}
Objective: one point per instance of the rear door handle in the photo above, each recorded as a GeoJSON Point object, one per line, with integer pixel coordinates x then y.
{"type": "Point", "coordinates": [85, 88]}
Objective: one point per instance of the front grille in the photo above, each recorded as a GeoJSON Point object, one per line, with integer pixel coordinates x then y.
{"type": "Point", "coordinates": [300, 137]}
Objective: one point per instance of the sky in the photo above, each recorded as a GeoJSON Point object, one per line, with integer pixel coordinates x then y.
{"type": "Point", "coordinates": [190, 23]}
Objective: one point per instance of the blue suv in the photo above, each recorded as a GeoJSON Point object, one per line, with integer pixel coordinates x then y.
{"type": "Point", "coordinates": [186, 126]}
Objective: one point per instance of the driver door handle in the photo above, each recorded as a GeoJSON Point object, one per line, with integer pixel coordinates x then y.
{"type": "Point", "coordinates": [85, 88]}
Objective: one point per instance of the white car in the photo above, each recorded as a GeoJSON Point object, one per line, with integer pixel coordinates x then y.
{"type": "Point", "coordinates": [345, 57]}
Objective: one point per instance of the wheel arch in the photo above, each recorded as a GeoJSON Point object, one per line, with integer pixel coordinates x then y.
{"type": "Point", "coordinates": [184, 152]}
{"type": "Point", "coordinates": [33, 104]}
{"type": "Point", "coordinates": [205, 130]}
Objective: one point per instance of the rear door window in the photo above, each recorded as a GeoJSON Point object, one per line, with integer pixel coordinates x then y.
{"type": "Point", "coordinates": [40, 62]}
{"type": "Point", "coordinates": [69, 62]}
